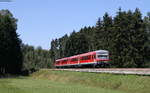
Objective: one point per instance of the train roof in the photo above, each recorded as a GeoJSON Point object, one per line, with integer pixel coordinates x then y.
{"type": "Point", "coordinates": [62, 59]}
{"type": "Point", "coordinates": [101, 51]}
{"type": "Point", "coordinates": [93, 52]}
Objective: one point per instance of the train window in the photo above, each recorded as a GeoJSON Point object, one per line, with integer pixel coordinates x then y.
{"type": "Point", "coordinates": [94, 56]}
{"type": "Point", "coordinates": [64, 60]}
{"type": "Point", "coordinates": [74, 59]}
{"type": "Point", "coordinates": [102, 56]}
{"type": "Point", "coordinates": [85, 58]}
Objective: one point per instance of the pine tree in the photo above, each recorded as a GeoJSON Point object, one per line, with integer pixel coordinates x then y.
{"type": "Point", "coordinates": [10, 50]}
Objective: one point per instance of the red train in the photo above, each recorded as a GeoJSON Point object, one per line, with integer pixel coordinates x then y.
{"type": "Point", "coordinates": [99, 58]}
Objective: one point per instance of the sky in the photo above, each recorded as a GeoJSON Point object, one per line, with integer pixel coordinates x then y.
{"type": "Point", "coordinates": [40, 21]}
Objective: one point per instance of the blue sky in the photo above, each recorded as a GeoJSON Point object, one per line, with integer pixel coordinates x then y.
{"type": "Point", "coordinates": [40, 21]}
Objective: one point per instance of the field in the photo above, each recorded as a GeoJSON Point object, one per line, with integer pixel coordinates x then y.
{"type": "Point", "coordinates": [47, 81]}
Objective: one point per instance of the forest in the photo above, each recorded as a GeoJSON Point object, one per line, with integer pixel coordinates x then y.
{"type": "Point", "coordinates": [126, 36]}
{"type": "Point", "coordinates": [15, 57]}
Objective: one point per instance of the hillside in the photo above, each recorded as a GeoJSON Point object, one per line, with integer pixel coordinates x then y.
{"type": "Point", "coordinates": [48, 81]}
{"type": "Point", "coordinates": [122, 83]}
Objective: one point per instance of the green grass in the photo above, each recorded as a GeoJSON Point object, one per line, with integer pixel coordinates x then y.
{"type": "Point", "coordinates": [47, 81]}
{"type": "Point", "coordinates": [30, 85]}
{"type": "Point", "coordinates": [126, 83]}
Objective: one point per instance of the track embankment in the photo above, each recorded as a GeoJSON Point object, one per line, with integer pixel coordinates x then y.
{"type": "Point", "coordinates": [136, 71]}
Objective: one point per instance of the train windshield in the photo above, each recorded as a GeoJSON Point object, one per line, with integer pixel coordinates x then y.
{"type": "Point", "coordinates": [102, 56]}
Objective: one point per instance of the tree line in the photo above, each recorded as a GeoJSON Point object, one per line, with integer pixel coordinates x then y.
{"type": "Point", "coordinates": [15, 57]}
{"type": "Point", "coordinates": [126, 36]}
{"type": "Point", "coordinates": [35, 59]}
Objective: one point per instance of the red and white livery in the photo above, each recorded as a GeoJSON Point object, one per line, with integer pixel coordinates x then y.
{"type": "Point", "coordinates": [95, 58]}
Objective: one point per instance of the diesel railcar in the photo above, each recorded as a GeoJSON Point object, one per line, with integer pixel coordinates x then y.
{"type": "Point", "coordinates": [99, 58]}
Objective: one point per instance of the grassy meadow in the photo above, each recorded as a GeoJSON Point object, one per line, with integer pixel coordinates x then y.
{"type": "Point", "coordinates": [48, 81]}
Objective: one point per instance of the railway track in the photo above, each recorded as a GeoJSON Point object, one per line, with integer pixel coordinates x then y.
{"type": "Point", "coordinates": [135, 71]}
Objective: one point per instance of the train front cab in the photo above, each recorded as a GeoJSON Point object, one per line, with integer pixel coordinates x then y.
{"type": "Point", "coordinates": [102, 58]}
